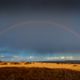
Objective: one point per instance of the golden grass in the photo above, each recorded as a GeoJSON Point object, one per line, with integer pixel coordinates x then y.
{"type": "Point", "coordinates": [39, 71]}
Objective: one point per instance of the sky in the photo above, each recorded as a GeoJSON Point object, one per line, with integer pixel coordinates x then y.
{"type": "Point", "coordinates": [44, 27]}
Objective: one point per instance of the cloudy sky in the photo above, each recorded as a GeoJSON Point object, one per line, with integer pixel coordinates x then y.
{"type": "Point", "coordinates": [41, 25]}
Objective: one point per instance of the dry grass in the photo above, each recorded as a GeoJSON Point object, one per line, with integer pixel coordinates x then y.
{"type": "Point", "coordinates": [39, 71]}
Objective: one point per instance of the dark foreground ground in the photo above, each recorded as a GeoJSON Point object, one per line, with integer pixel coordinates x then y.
{"type": "Point", "coordinates": [22, 73]}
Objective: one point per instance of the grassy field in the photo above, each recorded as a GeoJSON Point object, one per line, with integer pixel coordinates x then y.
{"type": "Point", "coordinates": [39, 71]}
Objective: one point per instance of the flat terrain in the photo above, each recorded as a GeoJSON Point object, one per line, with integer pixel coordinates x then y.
{"type": "Point", "coordinates": [41, 65]}
{"type": "Point", "coordinates": [39, 71]}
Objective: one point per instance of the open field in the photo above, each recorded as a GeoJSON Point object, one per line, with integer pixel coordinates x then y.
{"type": "Point", "coordinates": [39, 71]}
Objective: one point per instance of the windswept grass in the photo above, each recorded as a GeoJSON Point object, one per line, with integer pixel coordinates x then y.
{"type": "Point", "coordinates": [39, 71]}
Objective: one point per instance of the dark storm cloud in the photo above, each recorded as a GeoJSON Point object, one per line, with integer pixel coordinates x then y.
{"type": "Point", "coordinates": [65, 12]}
{"type": "Point", "coordinates": [58, 3]}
